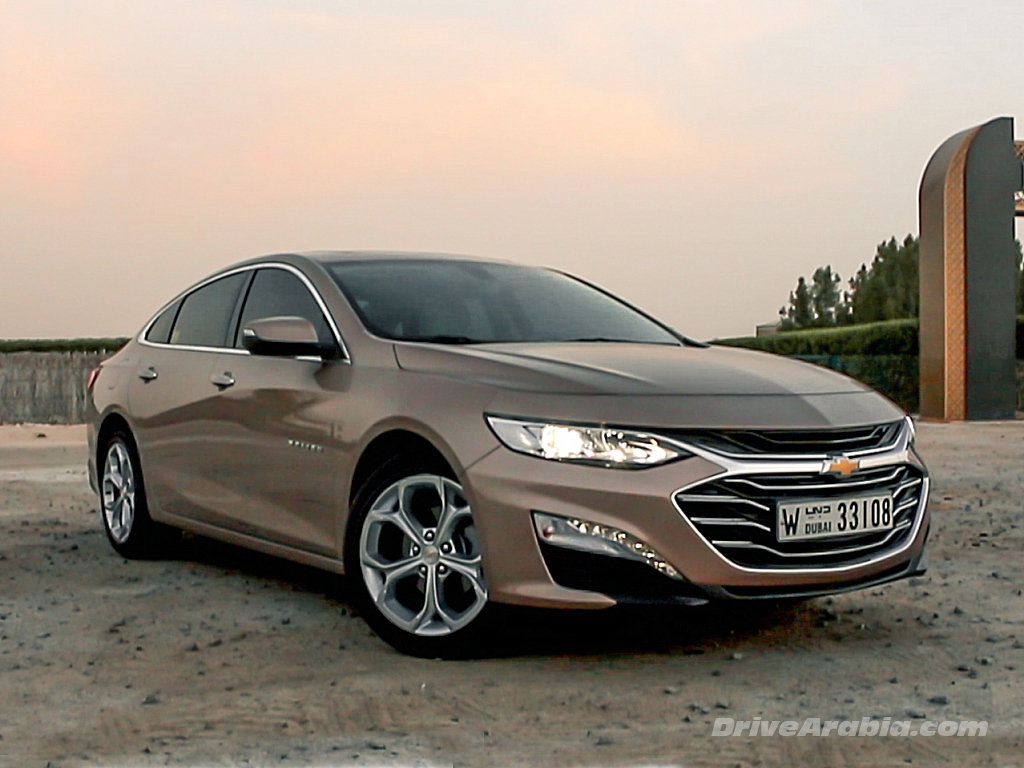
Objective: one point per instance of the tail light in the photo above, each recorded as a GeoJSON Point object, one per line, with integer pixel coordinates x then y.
{"type": "Point", "coordinates": [93, 374]}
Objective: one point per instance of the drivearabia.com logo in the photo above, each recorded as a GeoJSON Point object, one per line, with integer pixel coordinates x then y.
{"type": "Point", "coordinates": [866, 726]}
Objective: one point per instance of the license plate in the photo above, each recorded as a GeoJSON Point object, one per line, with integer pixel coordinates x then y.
{"type": "Point", "coordinates": [824, 518]}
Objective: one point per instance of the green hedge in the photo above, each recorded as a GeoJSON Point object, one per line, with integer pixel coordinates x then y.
{"type": "Point", "coordinates": [62, 345]}
{"type": "Point", "coordinates": [890, 337]}
{"type": "Point", "coordinates": [895, 376]}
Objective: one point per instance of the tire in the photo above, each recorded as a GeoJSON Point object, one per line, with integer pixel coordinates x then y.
{"type": "Point", "coordinates": [130, 530]}
{"type": "Point", "coordinates": [414, 562]}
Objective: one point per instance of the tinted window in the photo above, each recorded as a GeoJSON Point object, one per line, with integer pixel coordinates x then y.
{"type": "Point", "coordinates": [160, 330]}
{"type": "Point", "coordinates": [205, 313]}
{"type": "Point", "coordinates": [278, 293]}
{"type": "Point", "coordinates": [467, 302]}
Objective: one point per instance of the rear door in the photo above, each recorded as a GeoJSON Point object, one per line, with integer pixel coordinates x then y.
{"type": "Point", "coordinates": [172, 400]}
{"type": "Point", "coordinates": [276, 424]}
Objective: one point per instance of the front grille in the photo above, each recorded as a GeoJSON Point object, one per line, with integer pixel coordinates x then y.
{"type": "Point", "coordinates": [737, 514]}
{"type": "Point", "coordinates": [790, 442]}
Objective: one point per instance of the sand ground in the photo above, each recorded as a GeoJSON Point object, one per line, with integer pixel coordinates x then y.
{"type": "Point", "coordinates": [216, 656]}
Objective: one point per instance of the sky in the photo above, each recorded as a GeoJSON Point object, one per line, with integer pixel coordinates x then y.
{"type": "Point", "coordinates": [693, 157]}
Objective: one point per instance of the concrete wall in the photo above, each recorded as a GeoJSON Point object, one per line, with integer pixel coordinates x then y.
{"type": "Point", "coordinates": [45, 387]}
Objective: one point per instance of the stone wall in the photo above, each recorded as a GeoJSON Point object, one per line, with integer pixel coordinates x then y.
{"type": "Point", "coordinates": [45, 387]}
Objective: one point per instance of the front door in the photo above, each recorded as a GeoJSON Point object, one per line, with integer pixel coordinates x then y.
{"type": "Point", "coordinates": [276, 451]}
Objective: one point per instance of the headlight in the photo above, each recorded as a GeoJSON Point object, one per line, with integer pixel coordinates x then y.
{"type": "Point", "coordinates": [600, 446]}
{"type": "Point", "coordinates": [911, 430]}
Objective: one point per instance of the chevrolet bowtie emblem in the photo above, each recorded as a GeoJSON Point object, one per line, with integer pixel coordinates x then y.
{"type": "Point", "coordinates": [840, 465]}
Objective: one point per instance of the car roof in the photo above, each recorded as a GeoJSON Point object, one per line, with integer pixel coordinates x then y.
{"type": "Point", "coordinates": [325, 256]}
{"type": "Point", "coordinates": [329, 256]}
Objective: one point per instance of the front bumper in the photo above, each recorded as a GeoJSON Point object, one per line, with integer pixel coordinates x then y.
{"type": "Point", "coordinates": [507, 488]}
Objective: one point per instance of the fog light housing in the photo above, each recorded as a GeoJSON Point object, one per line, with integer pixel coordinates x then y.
{"type": "Point", "coordinates": [585, 536]}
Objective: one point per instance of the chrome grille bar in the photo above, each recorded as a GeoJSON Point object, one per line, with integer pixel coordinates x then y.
{"type": "Point", "coordinates": [722, 499]}
{"type": "Point", "coordinates": [817, 486]}
{"type": "Point", "coordinates": [822, 553]}
{"type": "Point", "coordinates": [729, 521]}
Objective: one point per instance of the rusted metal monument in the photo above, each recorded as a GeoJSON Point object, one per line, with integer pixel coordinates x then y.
{"type": "Point", "coordinates": [969, 195]}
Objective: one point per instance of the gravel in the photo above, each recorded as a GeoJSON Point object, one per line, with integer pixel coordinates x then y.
{"type": "Point", "coordinates": [248, 658]}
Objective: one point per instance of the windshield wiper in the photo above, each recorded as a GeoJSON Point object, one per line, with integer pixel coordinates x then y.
{"type": "Point", "coordinates": [443, 339]}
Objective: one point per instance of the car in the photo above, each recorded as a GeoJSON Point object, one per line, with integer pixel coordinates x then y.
{"type": "Point", "coordinates": [455, 433]}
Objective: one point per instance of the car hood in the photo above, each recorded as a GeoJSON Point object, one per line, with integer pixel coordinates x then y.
{"type": "Point", "coordinates": [603, 368]}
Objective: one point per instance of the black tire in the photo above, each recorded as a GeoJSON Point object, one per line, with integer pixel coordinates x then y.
{"type": "Point", "coordinates": [132, 534]}
{"type": "Point", "coordinates": [462, 642]}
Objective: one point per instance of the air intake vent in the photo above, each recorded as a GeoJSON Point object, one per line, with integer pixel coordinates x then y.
{"type": "Point", "coordinates": [791, 442]}
{"type": "Point", "coordinates": [737, 514]}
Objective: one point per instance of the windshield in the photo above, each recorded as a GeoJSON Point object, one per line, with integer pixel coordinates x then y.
{"type": "Point", "coordinates": [471, 302]}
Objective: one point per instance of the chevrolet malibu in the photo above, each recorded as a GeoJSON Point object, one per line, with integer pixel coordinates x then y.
{"type": "Point", "coordinates": [453, 432]}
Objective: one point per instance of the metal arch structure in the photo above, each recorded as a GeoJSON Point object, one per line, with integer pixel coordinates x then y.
{"type": "Point", "coordinates": [969, 195]}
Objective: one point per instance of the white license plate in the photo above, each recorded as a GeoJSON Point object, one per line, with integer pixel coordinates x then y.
{"type": "Point", "coordinates": [823, 518]}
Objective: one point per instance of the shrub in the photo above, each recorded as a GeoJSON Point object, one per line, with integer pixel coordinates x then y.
{"type": "Point", "coordinates": [889, 337]}
{"type": "Point", "coordinates": [895, 376]}
{"type": "Point", "coordinates": [62, 345]}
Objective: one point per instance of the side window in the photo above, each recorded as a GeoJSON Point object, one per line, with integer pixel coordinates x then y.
{"type": "Point", "coordinates": [206, 313]}
{"type": "Point", "coordinates": [279, 293]}
{"type": "Point", "coordinates": [160, 330]}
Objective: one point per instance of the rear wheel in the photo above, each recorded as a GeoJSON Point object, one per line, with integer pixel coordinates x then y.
{"type": "Point", "coordinates": [130, 529]}
{"type": "Point", "coordinates": [414, 555]}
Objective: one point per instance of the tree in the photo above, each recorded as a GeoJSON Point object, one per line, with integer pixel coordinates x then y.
{"type": "Point", "coordinates": [888, 290]}
{"type": "Point", "coordinates": [799, 313]}
{"type": "Point", "coordinates": [825, 296]}
{"type": "Point", "coordinates": [816, 306]}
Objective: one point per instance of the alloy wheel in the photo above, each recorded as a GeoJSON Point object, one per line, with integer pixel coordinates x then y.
{"type": "Point", "coordinates": [118, 492]}
{"type": "Point", "coordinates": [419, 556]}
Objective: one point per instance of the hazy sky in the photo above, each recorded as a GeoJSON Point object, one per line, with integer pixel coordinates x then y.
{"type": "Point", "coordinates": [694, 157]}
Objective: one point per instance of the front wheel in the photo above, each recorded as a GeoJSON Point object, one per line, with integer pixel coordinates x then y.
{"type": "Point", "coordinates": [415, 560]}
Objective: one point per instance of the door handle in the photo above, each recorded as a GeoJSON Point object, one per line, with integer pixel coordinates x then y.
{"type": "Point", "coordinates": [223, 380]}
{"type": "Point", "coordinates": [148, 374]}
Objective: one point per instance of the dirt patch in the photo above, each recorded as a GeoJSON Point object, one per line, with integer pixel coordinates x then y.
{"type": "Point", "coordinates": [218, 656]}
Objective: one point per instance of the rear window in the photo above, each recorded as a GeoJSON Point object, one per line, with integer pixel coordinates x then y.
{"type": "Point", "coordinates": [160, 330]}
{"type": "Point", "coordinates": [206, 313]}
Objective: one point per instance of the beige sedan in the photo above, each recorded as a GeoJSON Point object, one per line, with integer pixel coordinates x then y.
{"type": "Point", "coordinates": [453, 432]}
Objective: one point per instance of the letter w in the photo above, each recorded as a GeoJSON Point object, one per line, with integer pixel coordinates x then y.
{"type": "Point", "coordinates": [790, 524]}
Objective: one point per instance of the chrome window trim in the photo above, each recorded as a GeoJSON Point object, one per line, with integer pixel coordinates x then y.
{"type": "Point", "coordinates": [346, 357]}
{"type": "Point", "coordinates": [898, 453]}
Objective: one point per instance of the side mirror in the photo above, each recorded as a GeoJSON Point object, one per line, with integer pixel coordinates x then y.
{"type": "Point", "coordinates": [284, 337]}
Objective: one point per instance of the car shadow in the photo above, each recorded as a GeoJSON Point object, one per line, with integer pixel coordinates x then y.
{"type": "Point", "coordinates": [513, 631]}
